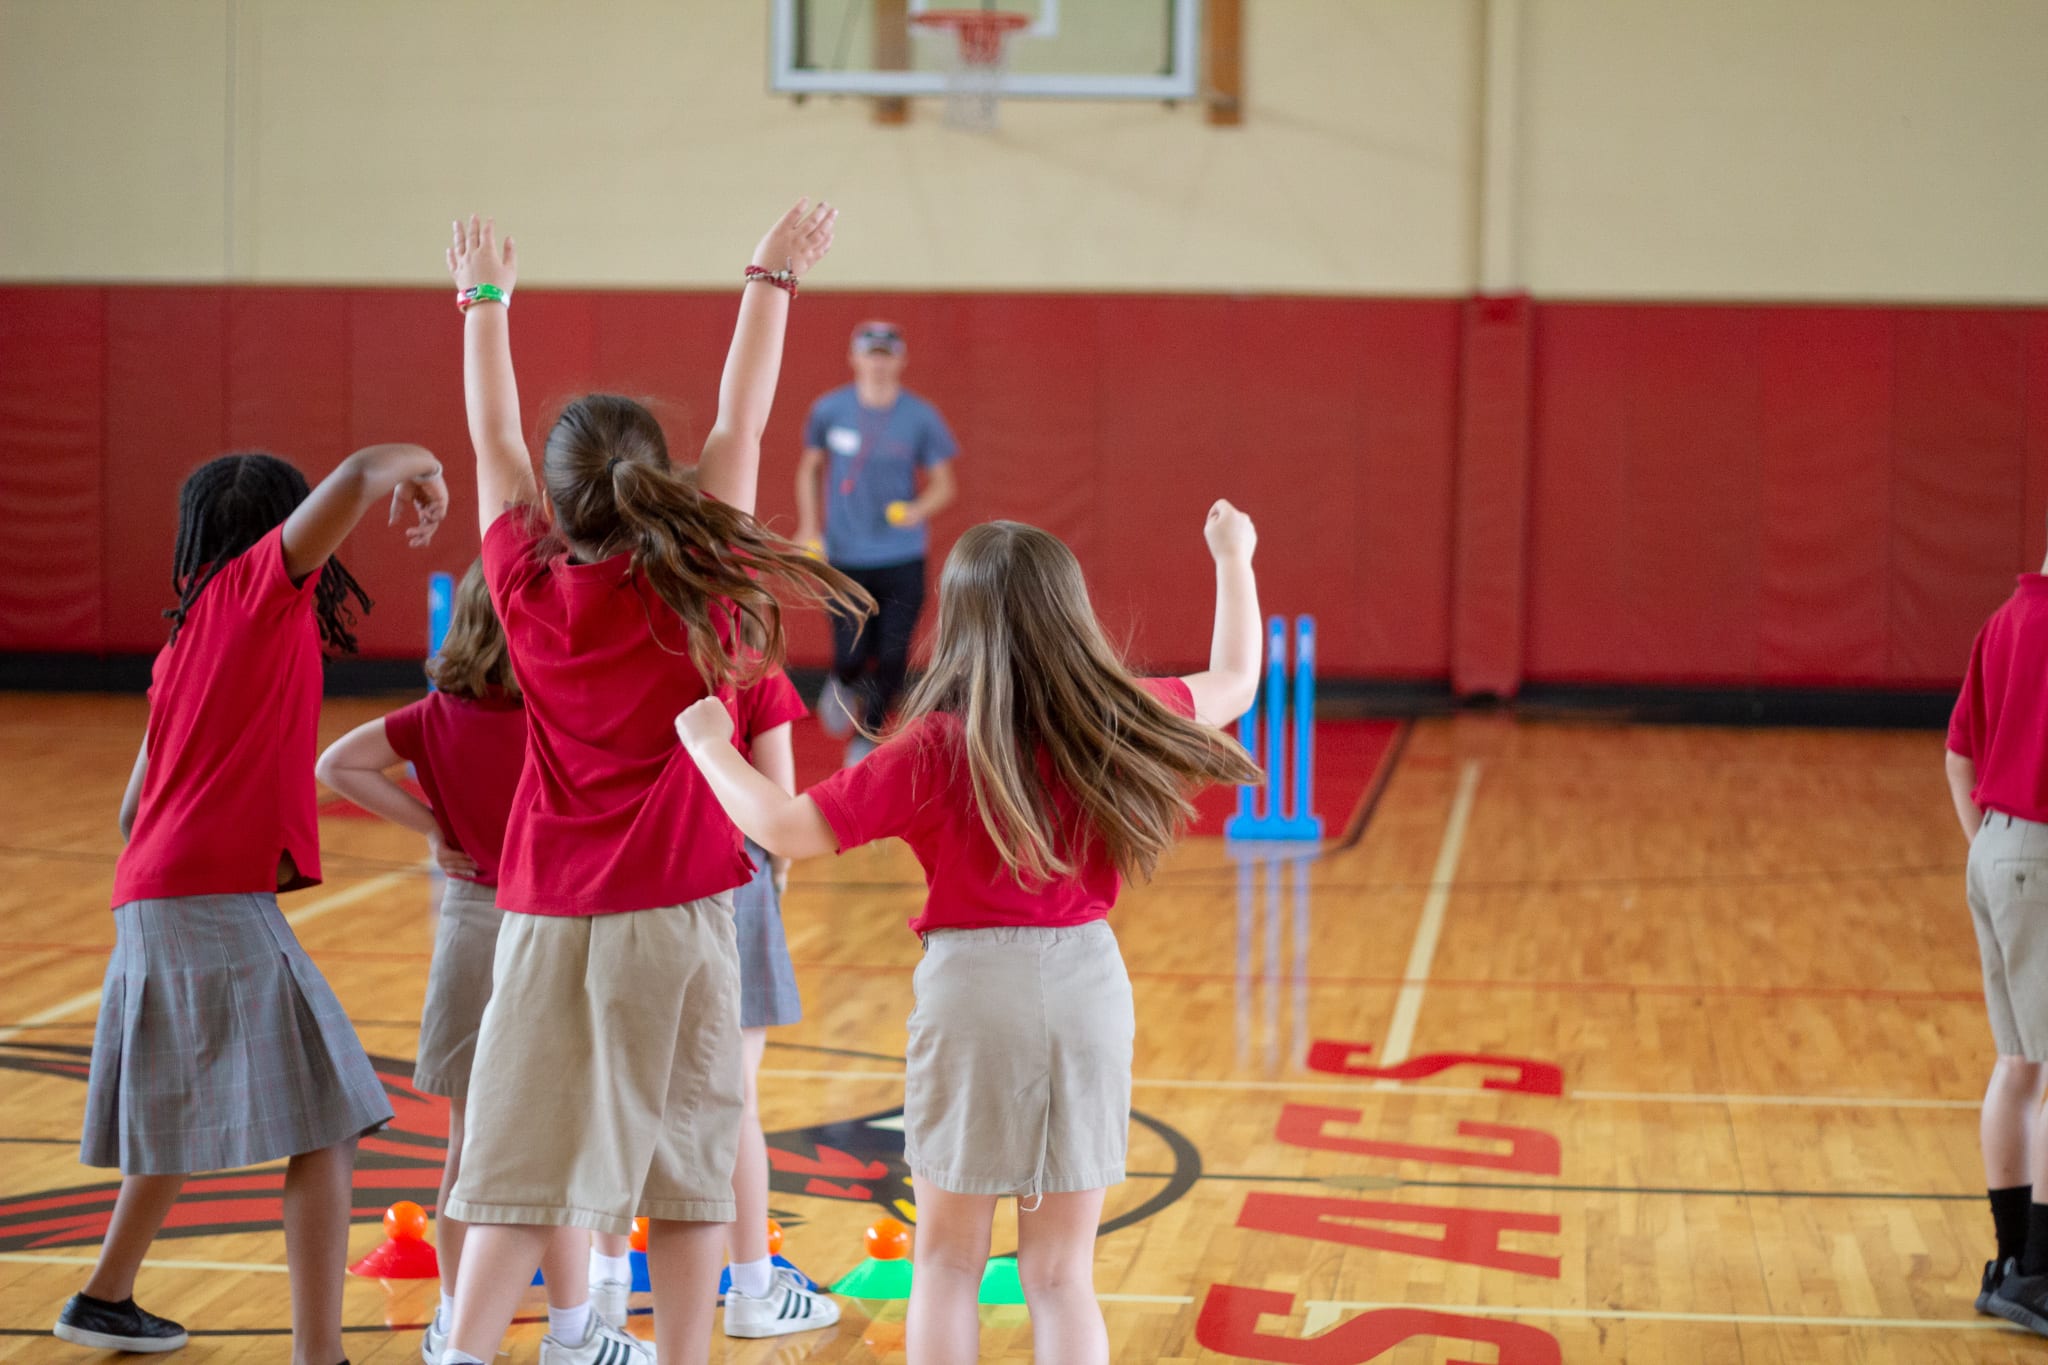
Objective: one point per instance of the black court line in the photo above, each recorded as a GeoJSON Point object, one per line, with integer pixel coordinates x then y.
{"type": "Point", "coordinates": [1354, 829]}
{"type": "Point", "coordinates": [1395, 1182]}
{"type": "Point", "coordinates": [286, 1331]}
{"type": "Point", "coordinates": [41, 1142]}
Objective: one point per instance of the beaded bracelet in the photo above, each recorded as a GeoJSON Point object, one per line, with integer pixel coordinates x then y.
{"type": "Point", "coordinates": [481, 293]}
{"type": "Point", "coordinates": [785, 280]}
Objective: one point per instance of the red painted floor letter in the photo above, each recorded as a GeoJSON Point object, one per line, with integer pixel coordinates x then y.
{"type": "Point", "coordinates": [1229, 1323]}
{"type": "Point", "coordinates": [1530, 1078]}
{"type": "Point", "coordinates": [1530, 1150]}
{"type": "Point", "coordinates": [1471, 1236]}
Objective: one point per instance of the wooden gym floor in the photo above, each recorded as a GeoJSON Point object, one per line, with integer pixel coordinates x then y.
{"type": "Point", "coordinates": [1744, 953]}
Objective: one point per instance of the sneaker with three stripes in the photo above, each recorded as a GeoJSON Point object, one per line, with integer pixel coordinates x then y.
{"type": "Point", "coordinates": [786, 1307]}
{"type": "Point", "coordinates": [603, 1344]}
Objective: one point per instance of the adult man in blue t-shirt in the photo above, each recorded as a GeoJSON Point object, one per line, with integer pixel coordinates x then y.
{"type": "Point", "coordinates": [870, 441]}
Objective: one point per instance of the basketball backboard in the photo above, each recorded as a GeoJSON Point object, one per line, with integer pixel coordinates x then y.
{"type": "Point", "coordinates": [1080, 49]}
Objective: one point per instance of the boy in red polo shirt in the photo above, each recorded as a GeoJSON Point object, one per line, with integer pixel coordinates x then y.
{"type": "Point", "coordinates": [1998, 777]}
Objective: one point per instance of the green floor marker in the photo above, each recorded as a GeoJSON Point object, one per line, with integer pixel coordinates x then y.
{"type": "Point", "coordinates": [873, 1279]}
{"type": "Point", "coordinates": [999, 1283]}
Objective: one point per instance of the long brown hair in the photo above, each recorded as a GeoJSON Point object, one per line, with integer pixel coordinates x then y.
{"type": "Point", "coordinates": [614, 491]}
{"type": "Point", "coordinates": [1022, 662]}
{"type": "Point", "coordinates": [473, 659]}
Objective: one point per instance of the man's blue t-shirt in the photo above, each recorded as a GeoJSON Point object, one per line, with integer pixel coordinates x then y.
{"type": "Point", "coordinates": [871, 460]}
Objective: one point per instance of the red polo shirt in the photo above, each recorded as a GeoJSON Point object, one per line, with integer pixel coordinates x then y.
{"type": "Point", "coordinates": [234, 706]}
{"type": "Point", "coordinates": [2001, 719]}
{"type": "Point", "coordinates": [611, 813]}
{"type": "Point", "coordinates": [916, 788]}
{"type": "Point", "coordinates": [469, 753]}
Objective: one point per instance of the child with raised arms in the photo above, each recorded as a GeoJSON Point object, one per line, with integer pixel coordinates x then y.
{"type": "Point", "coordinates": [1031, 773]}
{"type": "Point", "coordinates": [219, 1044]}
{"type": "Point", "coordinates": [611, 1042]}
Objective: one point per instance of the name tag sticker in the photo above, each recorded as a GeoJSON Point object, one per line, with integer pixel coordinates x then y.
{"type": "Point", "coordinates": [843, 440]}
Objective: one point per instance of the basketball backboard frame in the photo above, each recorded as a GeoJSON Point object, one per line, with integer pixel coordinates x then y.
{"type": "Point", "coordinates": [1181, 81]}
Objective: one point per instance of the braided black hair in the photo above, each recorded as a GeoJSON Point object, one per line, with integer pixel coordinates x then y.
{"type": "Point", "coordinates": [228, 505]}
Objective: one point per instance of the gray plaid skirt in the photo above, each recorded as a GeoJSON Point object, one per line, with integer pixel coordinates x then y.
{"type": "Point", "coordinates": [768, 997]}
{"type": "Point", "coordinates": [219, 1044]}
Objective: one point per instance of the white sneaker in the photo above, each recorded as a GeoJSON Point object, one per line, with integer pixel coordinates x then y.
{"type": "Point", "coordinates": [435, 1341]}
{"type": "Point", "coordinates": [786, 1307]}
{"type": "Point", "coordinates": [835, 711]}
{"type": "Point", "coordinates": [604, 1344]}
{"type": "Point", "coordinates": [611, 1300]}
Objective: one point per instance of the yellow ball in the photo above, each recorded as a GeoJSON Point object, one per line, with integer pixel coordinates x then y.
{"type": "Point", "coordinates": [898, 513]}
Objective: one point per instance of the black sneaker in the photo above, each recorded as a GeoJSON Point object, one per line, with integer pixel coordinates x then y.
{"type": "Point", "coordinates": [1994, 1275]}
{"type": "Point", "coordinates": [2022, 1299]}
{"type": "Point", "coordinates": [87, 1321]}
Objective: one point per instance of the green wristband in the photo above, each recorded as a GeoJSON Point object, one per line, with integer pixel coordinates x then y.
{"type": "Point", "coordinates": [482, 293]}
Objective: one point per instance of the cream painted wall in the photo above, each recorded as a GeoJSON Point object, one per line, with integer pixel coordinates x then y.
{"type": "Point", "coordinates": [1893, 149]}
{"type": "Point", "coordinates": [1873, 149]}
{"type": "Point", "coordinates": [634, 143]}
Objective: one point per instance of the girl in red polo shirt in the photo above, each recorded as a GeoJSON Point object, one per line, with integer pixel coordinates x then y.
{"type": "Point", "coordinates": [219, 1044]}
{"type": "Point", "coordinates": [466, 741]}
{"type": "Point", "coordinates": [611, 1041]}
{"type": "Point", "coordinates": [1030, 774]}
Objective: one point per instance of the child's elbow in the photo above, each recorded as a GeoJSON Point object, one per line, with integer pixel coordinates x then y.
{"type": "Point", "coordinates": [1242, 692]}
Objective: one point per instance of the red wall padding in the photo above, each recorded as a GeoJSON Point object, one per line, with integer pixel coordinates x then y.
{"type": "Point", "coordinates": [1780, 495]}
{"type": "Point", "coordinates": [1731, 495]}
{"type": "Point", "coordinates": [1113, 421]}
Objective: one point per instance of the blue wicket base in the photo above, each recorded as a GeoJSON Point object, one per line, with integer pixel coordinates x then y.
{"type": "Point", "coordinates": [1283, 811]}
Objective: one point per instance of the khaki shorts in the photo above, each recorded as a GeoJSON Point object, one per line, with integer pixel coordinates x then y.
{"type": "Point", "coordinates": [607, 1075]}
{"type": "Point", "coordinates": [1018, 1073]}
{"type": "Point", "coordinates": [2008, 880]}
{"type": "Point", "coordinates": [458, 987]}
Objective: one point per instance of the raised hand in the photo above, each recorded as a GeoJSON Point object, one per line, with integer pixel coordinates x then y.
{"type": "Point", "coordinates": [705, 722]}
{"type": "Point", "coordinates": [1230, 533]}
{"type": "Point", "coordinates": [799, 239]}
{"type": "Point", "coordinates": [427, 495]}
{"type": "Point", "coordinates": [476, 257]}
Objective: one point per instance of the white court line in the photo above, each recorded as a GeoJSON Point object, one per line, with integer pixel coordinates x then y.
{"type": "Point", "coordinates": [36, 1258]}
{"type": "Point", "coordinates": [1322, 1313]}
{"type": "Point", "coordinates": [1366, 1086]}
{"type": "Point", "coordinates": [313, 909]}
{"type": "Point", "coordinates": [1794, 1101]}
{"type": "Point", "coordinates": [1415, 980]}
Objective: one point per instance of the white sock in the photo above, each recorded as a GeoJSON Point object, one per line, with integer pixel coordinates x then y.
{"type": "Point", "coordinates": [603, 1267]}
{"type": "Point", "coordinates": [447, 1313]}
{"type": "Point", "coordinates": [568, 1325]}
{"type": "Point", "coordinates": [754, 1278]}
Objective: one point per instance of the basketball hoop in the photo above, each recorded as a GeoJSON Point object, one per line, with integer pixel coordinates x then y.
{"type": "Point", "coordinates": [974, 81]}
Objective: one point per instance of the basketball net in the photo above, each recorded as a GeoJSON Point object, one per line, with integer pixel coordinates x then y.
{"type": "Point", "coordinates": [980, 57]}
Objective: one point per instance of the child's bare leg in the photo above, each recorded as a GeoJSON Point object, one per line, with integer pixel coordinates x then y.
{"type": "Point", "coordinates": [944, 1321]}
{"type": "Point", "coordinates": [500, 1259]}
{"type": "Point", "coordinates": [139, 1210]}
{"type": "Point", "coordinates": [1056, 1262]}
{"type": "Point", "coordinates": [316, 1213]}
{"type": "Point", "coordinates": [682, 1265]}
{"type": "Point", "coordinates": [448, 1232]}
{"type": "Point", "coordinates": [747, 1236]}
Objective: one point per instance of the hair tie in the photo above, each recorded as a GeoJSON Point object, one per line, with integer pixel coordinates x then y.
{"type": "Point", "coordinates": [611, 466]}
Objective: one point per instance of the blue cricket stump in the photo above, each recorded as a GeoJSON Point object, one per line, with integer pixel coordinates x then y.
{"type": "Point", "coordinates": [440, 610]}
{"type": "Point", "coordinates": [1283, 811]}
